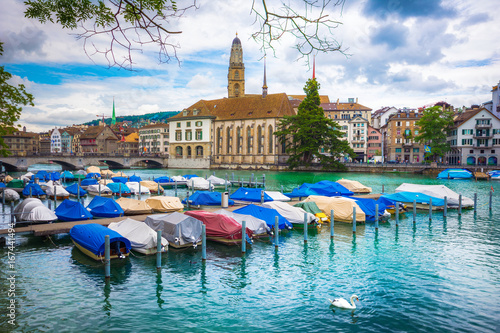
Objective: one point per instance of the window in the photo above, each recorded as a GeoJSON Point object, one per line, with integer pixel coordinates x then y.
{"type": "Point", "coordinates": [398, 123]}
{"type": "Point", "coordinates": [416, 132]}
{"type": "Point", "coordinates": [189, 135]}
{"type": "Point", "coordinates": [398, 150]}
{"type": "Point", "coordinates": [407, 123]}
{"type": "Point", "coordinates": [270, 138]}
{"type": "Point", "coordinates": [416, 150]}
{"type": "Point", "coordinates": [199, 151]}
{"type": "Point", "coordinates": [178, 125]}
{"type": "Point", "coordinates": [249, 140]}
{"type": "Point", "coordinates": [239, 140]}
{"type": "Point", "coordinates": [199, 135]}
{"type": "Point", "coordinates": [198, 123]}
{"type": "Point", "coordinates": [398, 131]}
{"type": "Point", "coordinates": [178, 135]}
{"type": "Point", "coordinates": [189, 151]}
{"type": "Point", "coordinates": [178, 151]}
{"type": "Point", "coordinates": [188, 124]}
{"type": "Point", "coordinates": [228, 140]}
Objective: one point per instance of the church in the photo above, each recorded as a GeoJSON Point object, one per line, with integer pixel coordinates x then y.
{"type": "Point", "coordinates": [235, 132]}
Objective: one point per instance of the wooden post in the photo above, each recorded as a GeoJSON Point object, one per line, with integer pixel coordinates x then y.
{"type": "Point", "coordinates": [305, 227]}
{"type": "Point", "coordinates": [332, 222]}
{"type": "Point", "coordinates": [276, 231]}
{"type": "Point", "coordinates": [397, 213]}
{"type": "Point", "coordinates": [243, 236]}
{"type": "Point", "coordinates": [158, 250]}
{"type": "Point", "coordinates": [203, 242]}
{"type": "Point", "coordinates": [353, 220]}
{"type": "Point", "coordinates": [460, 204]}
{"type": "Point", "coordinates": [445, 211]}
{"type": "Point", "coordinates": [430, 209]}
{"type": "Point", "coordinates": [107, 259]}
{"type": "Point", "coordinates": [376, 216]}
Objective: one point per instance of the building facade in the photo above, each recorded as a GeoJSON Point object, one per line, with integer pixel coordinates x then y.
{"type": "Point", "coordinates": [357, 136]}
{"type": "Point", "coordinates": [22, 143]}
{"type": "Point", "coordinates": [374, 142]}
{"type": "Point", "coordinates": [129, 145]}
{"type": "Point", "coordinates": [236, 72]}
{"type": "Point", "coordinates": [398, 138]}
{"type": "Point", "coordinates": [55, 141]}
{"type": "Point", "coordinates": [98, 140]}
{"type": "Point", "coordinates": [381, 116]}
{"type": "Point", "coordinates": [154, 139]}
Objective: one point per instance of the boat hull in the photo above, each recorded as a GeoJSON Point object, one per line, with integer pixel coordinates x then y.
{"type": "Point", "coordinates": [113, 254]}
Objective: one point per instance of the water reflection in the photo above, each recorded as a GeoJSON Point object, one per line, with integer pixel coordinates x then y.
{"type": "Point", "coordinates": [203, 278]}
{"type": "Point", "coordinates": [106, 307]}
{"type": "Point", "coordinates": [159, 289]}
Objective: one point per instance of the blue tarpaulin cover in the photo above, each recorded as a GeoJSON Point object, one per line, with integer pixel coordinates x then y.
{"type": "Point", "coordinates": [72, 211]}
{"type": "Point", "coordinates": [36, 190]}
{"type": "Point", "coordinates": [2, 184]}
{"type": "Point", "coordinates": [163, 179]}
{"type": "Point", "coordinates": [68, 175]}
{"type": "Point", "coordinates": [93, 175]}
{"type": "Point", "coordinates": [250, 194]}
{"type": "Point", "coordinates": [266, 214]}
{"type": "Point", "coordinates": [189, 176]}
{"type": "Point", "coordinates": [135, 178]}
{"type": "Point", "coordinates": [54, 176]}
{"type": "Point", "coordinates": [119, 179]}
{"type": "Point", "coordinates": [42, 175]}
{"type": "Point", "coordinates": [89, 181]}
{"type": "Point", "coordinates": [92, 237]}
{"type": "Point", "coordinates": [206, 198]}
{"type": "Point", "coordinates": [325, 188]}
{"type": "Point", "coordinates": [73, 189]}
{"type": "Point", "coordinates": [408, 197]}
{"type": "Point", "coordinates": [115, 187]}
{"type": "Point", "coordinates": [368, 207]}
{"type": "Point", "coordinates": [454, 174]}
{"type": "Point", "coordinates": [104, 207]}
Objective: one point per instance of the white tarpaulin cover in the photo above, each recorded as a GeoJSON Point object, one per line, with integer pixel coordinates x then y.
{"type": "Point", "coordinates": [216, 181]}
{"type": "Point", "coordinates": [11, 195]}
{"type": "Point", "coordinates": [198, 183]}
{"type": "Point", "coordinates": [134, 188]}
{"type": "Point", "coordinates": [354, 186]}
{"type": "Point", "coordinates": [27, 176]}
{"type": "Point", "coordinates": [57, 189]}
{"type": "Point", "coordinates": [141, 236]}
{"type": "Point", "coordinates": [163, 204]}
{"type": "Point", "coordinates": [177, 228]}
{"type": "Point", "coordinates": [95, 189]}
{"type": "Point", "coordinates": [257, 226]}
{"type": "Point", "coordinates": [178, 178]}
{"type": "Point", "coordinates": [342, 208]}
{"type": "Point", "coordinates": [33, 210]}
{"type": "Point", "coordinates": [438, 191]}
{"type": "Point", "coordinates": [291, 213]}
{"type": "Point", "coordinates": [277, 196]}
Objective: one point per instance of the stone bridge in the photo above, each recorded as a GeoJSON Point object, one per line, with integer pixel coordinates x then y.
{"type": "Point", "coordinates": [21, 163]}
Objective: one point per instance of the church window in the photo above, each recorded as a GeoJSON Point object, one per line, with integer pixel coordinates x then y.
{"type": "Point", "coordinates": [270, 138]}
{"type": "Point", "coordinates": [249, 140]}
{"type": "Point", "coordinates": [228, 140]}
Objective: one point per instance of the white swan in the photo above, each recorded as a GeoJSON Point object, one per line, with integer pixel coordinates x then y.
{"type": "Point", "coordinates": [342, 303]}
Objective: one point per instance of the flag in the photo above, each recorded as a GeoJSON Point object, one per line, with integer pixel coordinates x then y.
{"type": "Point", "coordinates": [427, 149]}
{"type": "Point", "coordinates": [492, 190]}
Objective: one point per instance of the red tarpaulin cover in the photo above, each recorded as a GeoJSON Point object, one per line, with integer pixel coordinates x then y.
{"type": "Point", "coordinates": [219, 225]}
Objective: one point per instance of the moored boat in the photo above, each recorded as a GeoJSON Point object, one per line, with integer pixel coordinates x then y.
{"type": "Point", "coordinates": [90, 239]}
{"type": "Point", "coordinates": [142, 238]}
{"type": "Point", "coordinates": [180, 230]}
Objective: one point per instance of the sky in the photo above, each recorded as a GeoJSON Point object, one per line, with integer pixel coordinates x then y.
{"type": "Point", "coordinates": [398, 53]}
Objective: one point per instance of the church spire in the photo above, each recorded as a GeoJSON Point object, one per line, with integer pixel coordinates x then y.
{"type": "Point", "coordinates": [113, 118]}
{"type": "Point", "coordinates": [264, 86]}
{"type": "Point", "coordinates": [314, 67]}
{"type": "Point", "coordinates": [236, 73]}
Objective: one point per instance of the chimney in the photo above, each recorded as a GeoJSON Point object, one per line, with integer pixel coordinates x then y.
{"type": "Point", "coordinates": [356, 100]}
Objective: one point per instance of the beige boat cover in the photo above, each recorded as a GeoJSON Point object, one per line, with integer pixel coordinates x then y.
{"type": "Point", "coordinates": [93, 169]}
{"type": "Point", "coordinates": [8, 178]}
{"type": "Point", "coordinates": [342, 207]}
{"type": "Point", "coordinates": [354, 186]}
{"type": "Point", "coordinates": [134, 207]}
{"type": "Point", "coordinates": [162, 204]}
{"type": "Point", "coordinates": [105, 181]}
{"type": "Point", "coordinates": [118, 174]}
{"type": "Point", "coordinates": [151, 185]}
{"type": "Point", "coordinates": [106, 172]}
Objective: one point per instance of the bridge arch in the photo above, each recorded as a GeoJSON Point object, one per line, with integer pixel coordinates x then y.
{"type": "Point", "coordinates": [113, 164]}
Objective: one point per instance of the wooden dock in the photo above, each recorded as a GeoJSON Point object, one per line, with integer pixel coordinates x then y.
{"type": "Point", "coordinates": [481, 176]}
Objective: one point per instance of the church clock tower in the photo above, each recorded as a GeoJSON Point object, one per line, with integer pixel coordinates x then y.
{"type": "Point", "coordinates": [236, 74]}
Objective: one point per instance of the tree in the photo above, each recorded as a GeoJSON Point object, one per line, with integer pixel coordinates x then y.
{"type": "Point", "coordinates": [435, 124]}
{"type": "Point", "coordinates": [11, 97]}
{"type": "Point", "coordinates": [309, 131]}
{"type": "Point", "coordinates": [131, 24]}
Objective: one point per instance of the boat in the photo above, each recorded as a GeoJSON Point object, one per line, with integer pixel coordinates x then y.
{"type": "Point", "coordinates": [247, 194]}
{"type": "Point", "coordinates": [57, 191]}
{"type": "Point", "coordinates": [152, 186]}
{"type": "Point", "coordinates": [33, 190]}
{"type": "Point", "coordinates": [199, 183]}
{"type": "Point", "coordinates": [277, 196]}
{"type": "Point", "coordinates": [104, 207]}
{"type": "Point", "coordinates": [118, 174]}
{"type": "Point", "coordinates": [216, 181]}
{"type": "Point", "coordinates": [119, 189]}
{"type": "Point", "coordinates": [98, 189]}
{"type": "Point", "coordinates": [72, 211]}
{"type": "Point", "coordinates": [16, 184]}
{"type": "Point", "coordinates": [323, 188]}
{"type": "Point", "coordinates": [34, 211]}
{"type": "Point", "coordinates": [104, 181]}
{"type": "Point", "coordinates": [88, 181]}
{"type": "Point", "coordinates": [258, 226]}
{"type": "Point", "coordinates": [164, 204]}
{"type": "Point", "coordinates": [119, 179]}
{"type": "Point", "coordinates": [187, 177]}
{"type": "Point", "coordinates": [438, 191]}
{"type": "Point", "coordinates": [76, 190]}
{"type": "Point", "coordinates": [494, 175]}
{"type": "Point", "coordinates": [221, 228]}
{"type": "Point", "coordinates": [180, 180]}
{"type": "Point", "coordinates": [368, 205]}
{"type": "Point", "coordinates": [204, 199]}
{"type": "Point", "coordinates": [455, 174]}
{"type": "Point", "coordinates": [93, 175]}
{"type": "Point", "coordinates": [27, 177]}
{"type": "Point", "coordinates": [42, 175]}
{"type": "Point", "coordinates": [354, 186]}
{"type": "Point", "coordinates": [294, 215]}
{"type": "Point", "coordinates": [142, 238]}
{"type": "Point", "coordinates": [422, 200]}
{"type": "Point", "coordinates": [180, 230]}
{"type": "Point", "coordinates": [135, 179]}
{"type": "Point", "coordinates": [67, 176]}
{"type": "Point", "coordinates": [342, 208]}
{"type": "Point", "coordinates": [134, 207]}
{"type": "Point", "coordinates": [266, 214]}
{"type": "Point", "coordinates": [137, 189]}
{"type": "Point", "coordinates": [90, 239]}
{"type": "Point", "coordinates": [10, 195]}
{"type": "Point", "coordinates": [93, 169]}
{"type": "Point", "coordinates": [312, 208]}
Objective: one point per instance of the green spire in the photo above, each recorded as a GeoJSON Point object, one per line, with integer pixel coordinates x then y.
{"type": "Point", "coordinates": [113, 118]}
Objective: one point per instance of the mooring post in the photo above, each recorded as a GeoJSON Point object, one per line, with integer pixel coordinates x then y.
{"type": "Point", "coordinates": [382, 188]}
{"type": "Point", "coordinates": [120, 190]}
{"type": "Point", "coordinates": [209, 185]}
{"type": "Point", "coordinates": [55, 197]}
{"type": "Point", "coordinates": [175, 187]}
{"type": "Point", "coordinates": [12, 212]}
{"type": "Point", "coordinates": [252, 180]}
{"type": "Point", "coordinates": [243, 236]}
{"type": "Point", "coordinates": [376, 216]}
{"type": "Point", "coordinates": [159, 189]}
{"type": "Point", "coordinates": [187, 199]}
{"type": "Point", "coordinates": [397, 213]}
{"type": "Point", "coordinates": [430, 209]}
{"type": "Point", "coordinates": [305, 227]}
{"type": "Point", "coordinates": [225, 183]}
{"type": "Point", "coordinates": [30, 191]}
{"type": "Point", "coordinates": [332, 222]}
{"type": "Point", "coordinates": [99, 189]}
{"type": "Point", "coordinates": [276, 231]}
{"type": "Point", "coordinates": [203, 242]}
{"type": "Point", "coordinates": [50, 204]}
{"type": "Point", "coordinates": [3, 199]}
{"type": "Point", "coordinates": [107, 258]}
{"type": "Point", "coordinates": [158, 250]}
{"type": "Point", "coordinates": [281, 189]}
{"type": "Point", "coordinates": [491, 201]}
{"type": "Point", "coordinates": [460, 204]}
{"type": "Point", "coordinates": [139, 190]}
{"type": "Point", "coordinates": [264, 180]}
{"type": "Point", "coordinates": [475, 202]}
{"type": "Point", "coordinates": [232, 176]}
{"type": "Point", "coordinates": [261, 197]}
{"type": "Point", "coordinates": [445, 211]}
{"type": "Point", "coordinates": [353, 220]}
{"type": "Point", "coordinates": [414, 211]}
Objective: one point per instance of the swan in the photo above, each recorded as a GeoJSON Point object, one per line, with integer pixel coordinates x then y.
{"type": "Point", "coordinates": [342, 303]}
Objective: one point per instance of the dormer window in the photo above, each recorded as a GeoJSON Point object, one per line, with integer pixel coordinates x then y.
{"type": "Point", "coordinates": [195, 112]}
{"type": "Point", "coordinates": [185, 112]}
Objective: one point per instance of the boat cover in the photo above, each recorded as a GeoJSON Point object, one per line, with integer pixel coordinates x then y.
{"type": "Point", "coordinates": [368, 207]}
{"type": "Point", "coordinates": [104, 181]}
{"type": "Point", "coordinates": [67, 175]}
{"type": "Point", "coordinates": [176, 227]}
{"type": "Point", "coordinates": [10, 195]}
{"type": "Point", "coordinates": [151, 186]}
{"type": "Point", "coordinates": [309, 207]}
{"type": "Point", "coordinates": [163, 204]}
{"type": "Point", "coordinates": [54, 175]}
{"type": "Point", "coordinates": [104, 207]}
{"type": "Point", "coordinates": [88, 181]}
{"type": "Point", "coordinates": [27, 176]}
{"type": "Point", "coordinates": [105, 172]}
{"type": "Point", "coordinates": [277, 196]}
{"type": "Point", "coordinates": [135, 178]}
{"type": "Point", "coordinates": [258, 226]}
{"type": "Point", "coordinates": [322, 188]}
{"type": "Point", "coordinates": [36, 190]}
{"type": "Point", "coordinates": [163, 179]}
{"type": "Point", "coordinates": [409, 197]}
{"type": "Point", "coordinates": [80, 172]}
{"type": "Point", "coordinates": [119, 179]}
{"type": "Point", "coordinates": [438, 191]}
{"type": "Point", "coordinates": [216, 181]}
{"type": "Point", "coordinates": [206, 198]}
{"type": "Point", "coordinates": [250, 194]}
{"type": "Point", "coordinates": [178, 178]}
{"type": "Point", "coordinates": [141, 236]}
{"type": "Point", "coordinates": [218, 225]}
{"type": "Point", "coordinates": [135, 188]}
{"type": "Point", "coordinates": [93, 175]}
{"type": "Point", "coordinates": [115, 188]}
{"type": "Point", "coordinates": [266, 214]}
{"type": "Point", "coordinates": [189, 176]}
{"type": "Point", "coordinates": [42, 175]}
{"type": "Point", "coordinates": [134, 207]}
{"type": "Point", "coordinates": [95, 189]}
{"type": "Point", "coordinates": [198, 183]}
{"type": "Point", "coordinates": [2, 185]}
{"type": "Point", "coordinates": [72, 211]}
{"type": "Point", "coordinates": [33, 210]}
{"type": "Point", "coordinates": [58, 190]}
{"type": "Point", "coordinates": [354, 186]}
{"type": "Point", "coordinates": [455, 174]}
{"type": "Point", "coordinates": [342, 207]}
{"type": "Point", "coordinates": [92, 237]}
{"type": "Point", "coordinates": [15, 183]}
{"type": "Point", "coordinates": [291, 213]}
{"type": "Point", "coordinates": [74, 188]}
{"type": "Point", "coordinates": [118, 174]}
{"type": "Point", "coordinates": [93, 169]}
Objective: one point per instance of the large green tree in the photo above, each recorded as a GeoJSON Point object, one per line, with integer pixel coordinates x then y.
{"type": "Point", "coordinates": [11, 99]}
{"type": "Point", "coordinates": [435, 125]}
{"type": "Point", "coordinates": [309, 131]}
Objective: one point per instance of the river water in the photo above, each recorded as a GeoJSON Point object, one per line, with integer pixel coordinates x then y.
{"type": "Point", "coordinates": [432, 276]}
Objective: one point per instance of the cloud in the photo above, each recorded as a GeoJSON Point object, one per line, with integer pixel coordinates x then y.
{"type": "Point", "coordinates": [393, 35]}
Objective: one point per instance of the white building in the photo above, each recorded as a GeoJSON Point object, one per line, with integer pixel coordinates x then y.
{"type": "Point", "coordinates": [55, 141]}
{"type": "Point", "coordinates": [475, 139]}
{"type": "Point", "coordinates": [357, 135]}
{"type": "Point", "coordinates": [154, 139]}
{"type": "Point", "coordinates": [381, 116]}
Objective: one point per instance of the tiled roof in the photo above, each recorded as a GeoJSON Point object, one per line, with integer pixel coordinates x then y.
{"type": "Point", "coordinates": [322, 98]}
{"type": "Point", "coordinates": [464, 116]}
{"type": "Point", "coordinates": [92, 132]}
{"type": "Point", "coordinates": [157, 125]}
{"type": "Point", "coordinates": [21, 134]}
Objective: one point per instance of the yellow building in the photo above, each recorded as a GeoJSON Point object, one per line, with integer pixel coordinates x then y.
{"type": "Point", "coordinates": [398, 138]}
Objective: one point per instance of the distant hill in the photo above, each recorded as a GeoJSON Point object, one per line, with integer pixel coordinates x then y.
{"type": "Point", "coordinates": [161, 116]}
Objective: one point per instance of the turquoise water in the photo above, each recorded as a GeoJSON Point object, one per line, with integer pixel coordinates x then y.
{"type": "Point", "coordinates": [434, 276]}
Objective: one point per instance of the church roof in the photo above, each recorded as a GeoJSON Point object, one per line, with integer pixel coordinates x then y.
{"type": "Point", "coordinates": [236, 40]}
{"type": "Point", "coordinates": [322, 98]}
